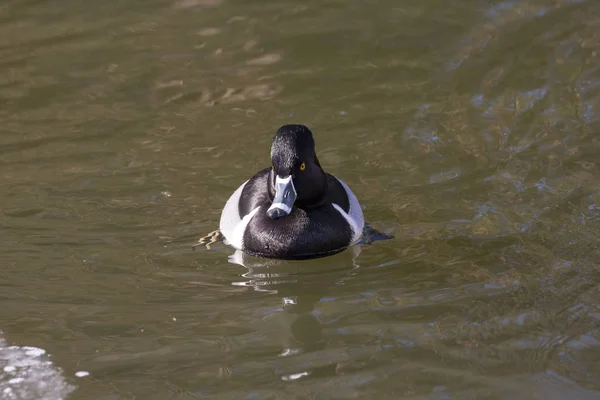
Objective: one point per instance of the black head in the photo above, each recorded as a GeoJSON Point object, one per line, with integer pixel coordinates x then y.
{"type": "Point", "coordinates": [294, 159]}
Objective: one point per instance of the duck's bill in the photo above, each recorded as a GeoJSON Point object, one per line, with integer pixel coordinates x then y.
{"type": "Point", "coordinates": [285, 196]}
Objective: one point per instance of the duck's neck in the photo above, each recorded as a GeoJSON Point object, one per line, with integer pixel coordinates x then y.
{"type": "Point", "coordinates": [317, 197]}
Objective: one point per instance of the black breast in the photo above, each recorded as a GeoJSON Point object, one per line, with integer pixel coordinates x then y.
{"type": "Point", "coordinates": [305, 233]}
{"type": "Point", "coordinates": [302, 234]}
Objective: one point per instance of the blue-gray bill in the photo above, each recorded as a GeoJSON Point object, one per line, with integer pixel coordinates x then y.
{"type": "Point", "coordinates": [285, 196]}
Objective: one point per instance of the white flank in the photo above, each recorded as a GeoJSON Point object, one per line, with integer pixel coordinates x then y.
{"type": "Point", "coordinates": [237, 237]}
{"type": "Point", "coordinates": [354, 216]}
{"type": "Point", "coordinates": [230, 216]}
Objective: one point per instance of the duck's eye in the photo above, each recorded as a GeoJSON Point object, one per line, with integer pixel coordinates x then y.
{"type": "Point", "coordinates": [302, 167]}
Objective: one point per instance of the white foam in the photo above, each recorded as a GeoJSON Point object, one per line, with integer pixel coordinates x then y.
{"type": "Point", "coordinates": [34, 351]}
{"type": "Point", "coordinates": [26, 373]}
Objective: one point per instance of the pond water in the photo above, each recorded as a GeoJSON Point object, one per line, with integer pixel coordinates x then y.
{"type": "Point", "coordinates": [468, 129]}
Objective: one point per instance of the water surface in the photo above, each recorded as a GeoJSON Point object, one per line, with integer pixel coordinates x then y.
{"type": "Point", "coordinates": [469, 129]}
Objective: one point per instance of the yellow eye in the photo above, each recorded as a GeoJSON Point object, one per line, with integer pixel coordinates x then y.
{"type": "Point", "coordinates": [302, 167]}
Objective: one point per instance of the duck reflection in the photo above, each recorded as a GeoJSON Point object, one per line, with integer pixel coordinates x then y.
{"type": "Point", "coordinates": [300, 286]}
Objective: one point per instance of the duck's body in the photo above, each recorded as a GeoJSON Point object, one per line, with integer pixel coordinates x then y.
{"type": "Point", "coordinates": [294, 209]}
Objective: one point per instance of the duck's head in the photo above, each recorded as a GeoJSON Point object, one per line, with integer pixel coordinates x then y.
{"type": "Point", "coordinates": [296, 177]}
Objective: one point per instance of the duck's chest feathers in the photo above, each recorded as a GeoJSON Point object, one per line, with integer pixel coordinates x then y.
{"type": "Point", "coordinates": [301, 234]}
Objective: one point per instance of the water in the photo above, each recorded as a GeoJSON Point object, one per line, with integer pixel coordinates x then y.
{"type": "Point", "coordinates": [466, 128]}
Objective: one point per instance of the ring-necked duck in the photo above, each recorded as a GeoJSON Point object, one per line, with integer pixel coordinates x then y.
{"type": "Point", "coordinates": [293, 209]}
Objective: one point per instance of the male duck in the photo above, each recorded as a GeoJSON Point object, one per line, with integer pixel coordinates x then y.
{"type": "Point", "coordinates": [293, 210]}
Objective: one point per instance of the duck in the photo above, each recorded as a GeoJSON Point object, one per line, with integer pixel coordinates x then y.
{"type": "Point", "coordinates": [293, 209]}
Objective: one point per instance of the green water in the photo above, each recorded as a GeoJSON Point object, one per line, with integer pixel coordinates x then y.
{"type": "Point", "coordinates": [468, 129]}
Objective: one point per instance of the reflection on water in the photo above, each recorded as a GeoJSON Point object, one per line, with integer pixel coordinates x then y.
{"type": "Point", "coordinates": [300, 288]}
{"type": "Point", "coordinates": [466, 128]}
